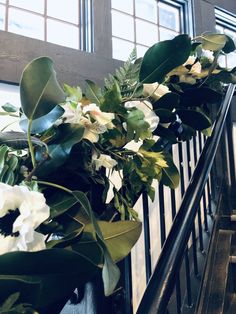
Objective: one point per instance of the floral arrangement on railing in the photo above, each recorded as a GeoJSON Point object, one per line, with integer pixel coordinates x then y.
{"type": "Point", "coordinates": [57, 226]}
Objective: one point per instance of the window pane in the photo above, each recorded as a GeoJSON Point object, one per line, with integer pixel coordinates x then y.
{"type": "Point", "coordinates": [125, 6]}
{"type": "Point", "coordinates": [121, 49]}
{"type": "Point", "coordinates": [35, 5]}
{"type": "Point", "coordinates": [146, 9]}
{"type": "Point", "coordinates": [26, 24]}
{"type": "Point", "coordinates": [166, 34]}
{"type": "Point", "coordinates": [2, 17]}
{"type": "Point", "coordinates": [146, 33]}
{"type": "Point", "coordinates": [141, 50]}
{"type": "Point", "coordinates": [62, 34]}
{"type": "Point", "coordinates": [122, 25]}
{"type": "Point", "coordinates": [66, 10]}
{"type": "Point", "coordinates": [169, 16]}
{"type": "Point", "coordinates": [222, 61]}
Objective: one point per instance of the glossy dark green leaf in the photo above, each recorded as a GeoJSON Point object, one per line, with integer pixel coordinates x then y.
{"type": "Point", "coordinates": [18, 140]}
{"type": "Point", "coordinates": [110, 272]}
{"type": "Point", "coordinates": [165, 115]}
{"type": "Point", "coordinates": [68, 240]}
{"type": "Point", "coordinates": [69, 135]}
{"type": "Point", "coordinates": [60, 203]}
{"type": "Point", "coordinates": [165, 133]}
{"type": "Point", "coordinates": [163, 57]}
{"type": "Point", "coordinates": [93, 92]}
{"type": "Point", "coordinates": [187, 133]}
{"type": "Point", "coordinates": [170, 175]}
{"type": "Point", "coordinates": [39, 89]}
{"type": "Point", "coordinates": [58, 271]}
{"type": "Point", "coordinates": [168, 101]}
{"type": "Point", "coordinates": [229, 46]}
{"type": "Point", "coordinates": [198, 120]}
{"type": "Point", "coordinates": [198, 96]}
{"type": "Point", "coordinates": [9, 107]}
{"type": "Point", "coordinates": [43, 123]}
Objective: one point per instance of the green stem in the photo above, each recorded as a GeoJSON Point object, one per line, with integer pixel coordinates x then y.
{"type": "Point", "coordinates": [31, 148]}
{"type": "Point", "coordinates": [55, 186]}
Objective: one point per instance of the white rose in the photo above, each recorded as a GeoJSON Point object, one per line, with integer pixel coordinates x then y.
{"type": "Point", "coordinates": [103, 161]}
{"type": "Point", "coordinates": [21, 212]}
{"type": "Point", "coordinates": [101, 117]}
{"type": "Point", "coordinates": [155, 90]}
{"type": "Point", "coordinates": [149, 115]}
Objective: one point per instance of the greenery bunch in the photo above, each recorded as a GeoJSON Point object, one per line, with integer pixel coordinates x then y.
{"type": "Point", "coordinates": [71, 144]}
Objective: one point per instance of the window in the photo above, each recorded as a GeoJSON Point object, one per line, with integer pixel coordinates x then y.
{"type": "Point", "coordinates": [64, 22]}
{"type": "Point", "coordinates": [141, 23]}
{"type": "Point", "coordinates": [226, 24]}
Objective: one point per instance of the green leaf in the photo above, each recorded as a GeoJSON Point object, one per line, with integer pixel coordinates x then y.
{"type": "Point", "coordinates": [163, 57]}
{"type": "Point", "coordinates": [47, 269]}
{"type": "Point", "coordinates": [43, 123]}
{"type": "Point", "coordinates": [197, 119]}
{"type": "Point", "coordinates": [93, 92]}
{"type": "Point", "coordinates": [198, 96]}
{"type": "Point", "coordinates": [9, 107]}
{"type": "Point", "coordinates": [170, 174]}
{"type": "Point", "coordinates": [18, 140]}
{"type": "Point", "coordinates": [68, 240]}
{"type": "Point", "coordinates": [69, 135]}
{"type": "Point", "coordinates": [207, 132]}
{"type": "Point", "coordinates": [137, 127]}
{"type": "Point", "coordinates": [214, 42]}
{"type": "Point", "coordinates": [10, 301]}
{"type": "Point", "coordinates": [168, 101]}
{"type": "Point", "coordinates": [165, 115]}
{"type": "Point", "coordinates": [3, 155]}
{"type": "Point", "coordinates": [112, 100]}
{"type": "Point", "coordinates": [39, 89]}
{"type": "Point", "coordinates": [119, 236]}
{"type": "Point", "coordinates": [59, 203]}
{"type": "Point", "coordinates": [110, 271]}
{"type": "Point", "coordinates": [73, 93]}
{"type": "Point", "coordinates": [229, 46]}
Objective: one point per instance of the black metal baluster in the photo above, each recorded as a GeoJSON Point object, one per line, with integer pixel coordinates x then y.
{"type": "Point", "coordinates": [173, 198]}
{"type": "Point", "coordinates": [209, 198]}
{"type": "Point", "coordinates": [162, 213]}
{"type": "Point", "coordinates": [204, 192]}
{"type": "Point", "coordinates": [194, 246]}
{"type": "Point", "coordinates": [128, 285]}
{"type": "Point", "coordinates": [199, 219]}
{"type": "Point", "coordinates": [186, 257]}
{"type": "Point", "coordinates": [146, 230]}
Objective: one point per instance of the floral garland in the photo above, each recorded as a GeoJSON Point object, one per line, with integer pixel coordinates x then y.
{"type": "Point", "coordinates": [62, 217]}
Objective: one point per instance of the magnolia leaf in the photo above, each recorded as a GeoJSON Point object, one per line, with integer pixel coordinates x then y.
{"type": "Point", "coordinates": [39, 89]}
{"type": "Point", "coordinates": [43, 123]}
{"type": "Point", "coordinates": [69, 135]}
{"type": "Point", "coordinates": [9, 107]}
{"type": "Point", "coordinates": [198, 96]}
{"type": "Point", "coordinates": [93, 92]}
{"type": "Point", "coordinates": [3, 155]}
{"type": "Point", "coordinates": [110, 272]}
{"type": "Point", "coordinates": [187, 132]}
{"type": "Point", "coordinates": [229, 46]}
{"type": "Point", "coordinates": [68, 240]}
{"type": "Point", "coordinates": [165, 133]}
{"type": "Point", "coordinates": [224, 76]}
{"type": "Point", "coordinates": [197, 119]}
{"type": "Point", "coordinates": [168, 101]}
{"type": "Point", "coordinates": [165, 115]}
{"type": "Point", "coordinates": [213, 42]}
{"type": "Point", "coordinates": [11, 300]}
{"type": "Point", "coordinates": [60, 203]}
{"type": "Point", "coordinates": [18, 140]}
{"type": "Point", "coordinates": [49, 268]}
{"type": "Point", "coordinates": [137, 127]}
{"type": "Point", "coordinates": [163, 57]}
{"type": "Point", "coordinates": [170, 174]}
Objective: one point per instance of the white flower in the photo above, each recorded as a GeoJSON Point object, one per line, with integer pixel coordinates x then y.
{"type": "Point", "coordinates": [155, 90]}
{"type": "Point", "coordinates": [84, 115]}
{"type": "Point", "coordinates": [149, 115]}
{"type": "Point", "coordinates": [21, 212]}
{"type": "Point", "coordinates": [104, 118]}
{"type": "Point", "coordinates": [103, 161]}
{"type": "Point", "coordinates": [190, 61]}
{"type": "Point", "coordinates": [208, 54]}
